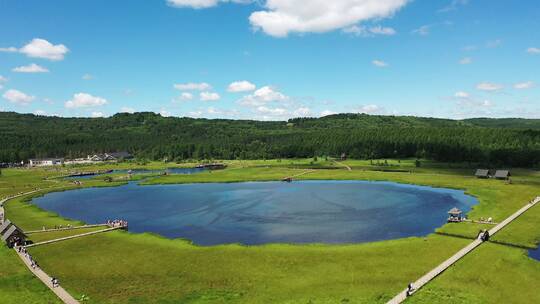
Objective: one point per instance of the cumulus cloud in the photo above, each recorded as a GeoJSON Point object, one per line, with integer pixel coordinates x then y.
{"type": "Point", "coordinates": [282, 17]}
{"type": "Point", "coordinates": [466, 60]}
{"type": "Point", "coordinates": [87, 77]}
{"type": "Point", "coordinates": [41, 48]}
{"type": "Point", "coordinates": [84, 100]}
{"type": "Point", "coordinates": [263, 96]}
{"type": "Point", "coordinates": [18, 97]}
{"type": "Point", "coordinates": [489, 87]}
{"type": "Point", "coordinates": [31, 68]}
{"type": "Point", "coordinates": [379, 63]}
{"type": "Point", "coordinates": [209, 96]}
{"type": "Point", "coordinates": [40, 113]}
{"type": "Point", "coordinates": [533, 50]}
{"type": "Point", "coordinates": [165, 113]}
{"type": "Point", "coordinates": [302, 112]}
{"type": "Point", "coordinates": [191, 86]}
{"type": "Point", "coordinates": [241, 86]}
{"type": "Point", "coordinates": [327, 112]}
{"type": "Point", "coordinates": [186, 96]}
{"type": "Point", "coordinates": [97, 114]}
{"type": "Point", "coordinates": [524, 85]}
{"type": "Point", "coordinates": [364, 31]}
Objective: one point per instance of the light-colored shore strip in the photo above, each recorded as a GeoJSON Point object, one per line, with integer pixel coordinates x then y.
{"type": "Point", "coordinates": [73, 237]}
{"type": "Point", "coordinates": [60, 292]}
{"type": "Point", "coordinates": [65, 228]}
{"type": "Point", "coordinates": [402, 296]}
{"type": "Point", "coordinates": [2, 211]}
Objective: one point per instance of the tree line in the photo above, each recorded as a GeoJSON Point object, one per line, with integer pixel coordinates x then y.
{"type": "Point", "coordinates": [514, 142]}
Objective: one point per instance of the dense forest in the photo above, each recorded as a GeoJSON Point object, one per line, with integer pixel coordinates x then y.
{"type": "Point", "coordinates": [509, 142]}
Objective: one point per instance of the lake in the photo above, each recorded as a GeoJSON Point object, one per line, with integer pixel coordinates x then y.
{"type": "Point", "coordinates": [143, 171]}
{"type": "Point", "coordinates": [266, 212]}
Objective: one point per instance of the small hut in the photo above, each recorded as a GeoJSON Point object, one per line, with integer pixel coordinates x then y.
{"type": "Point", "coordinates": [482, 173]}
{"type": "Point", "coordinates": [455, 215]}
{"type": "Point", "coordinates": [5, 225]}
{"type": "Point", "coordinates": [13, 235]}
{"type": "Point", "coordinates": [502, 174]}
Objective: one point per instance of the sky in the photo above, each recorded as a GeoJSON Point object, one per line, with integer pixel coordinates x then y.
{"type": "Point", "coordinates": [271, 59]}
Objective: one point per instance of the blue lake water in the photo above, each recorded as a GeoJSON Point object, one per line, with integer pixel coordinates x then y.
{"type": "Point", "coordinates": [266, 212]}
{"type": "Point", "coordinates": [145, 171]}
{"type": "Point", "coordinates": [535, 254]}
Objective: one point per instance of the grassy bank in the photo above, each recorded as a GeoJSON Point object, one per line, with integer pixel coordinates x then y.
{"type": "Point", "coordinates": [120, 267]}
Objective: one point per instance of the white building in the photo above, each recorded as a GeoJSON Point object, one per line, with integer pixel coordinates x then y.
{"type": "Point", "coordinates": [42, 162]}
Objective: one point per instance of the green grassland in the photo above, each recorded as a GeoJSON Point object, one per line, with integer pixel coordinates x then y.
{"type": "Point", "coordinates": [120, 267]}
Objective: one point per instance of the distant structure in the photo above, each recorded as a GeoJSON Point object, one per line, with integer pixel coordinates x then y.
{"type": "Point", "coordinates": [455, 215]}
{"type": "Point", "coordinates": [102, 157]}
{"type": "Point", "coordinates": [343, 156]}
{"type": "Point", "coordinates": [214, 166]}
{"type": "Point", "coordinates": [482, 173]}
{"type": "Point", "coordinates": [43, 162]}
{"type": "Point", "coordinates": [11, 234]}
{"type": "Point", "coordinates": [502, 174]}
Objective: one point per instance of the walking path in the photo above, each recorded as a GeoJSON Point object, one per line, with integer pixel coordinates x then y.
{"type": "Point", "coordinates": [402, 296]}
{"type": "Point", "coordinates": [47, 280]}
{"type": "Point", "coordinates": [73, 237]}
{"type": "Point", "coordinates": [65, 228]}
{"type": "Point", "coordinates": [343, 165]}
{"type": "Point", "coordinates": [299, 174]}
{"type": "Point", "coordinates": [5, 199]}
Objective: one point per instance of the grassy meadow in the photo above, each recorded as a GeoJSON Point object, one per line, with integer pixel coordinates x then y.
{"type": "Point", "coordinates": [122, 267]}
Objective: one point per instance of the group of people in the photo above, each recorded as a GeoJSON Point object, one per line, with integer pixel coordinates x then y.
{"type": "Point", "coordinates": [77, 182]}
{"type": "Point", "coordinates": [117, 223]}
{"type": "Point", "coordinates": [27, 255]}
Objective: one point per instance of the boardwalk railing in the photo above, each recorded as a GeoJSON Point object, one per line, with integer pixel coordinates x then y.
{"type": "Point", "coordinates": [402, 296]}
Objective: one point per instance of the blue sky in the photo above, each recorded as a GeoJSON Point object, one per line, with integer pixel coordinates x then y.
{"type": "Point", "coordinates": [271, 59]}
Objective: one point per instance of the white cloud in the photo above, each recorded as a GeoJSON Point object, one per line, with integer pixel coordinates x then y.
{"type": "Point", "coordinates": [241, 86]}
{"type": "Point", "coordinates": [271, 111]}
{"type": "Point", "coordinates": [127, 110]}
{"type": "Point", "coordinates": [87, 77]}
{"type": "Point", "coordinates": [9, 49]}
{"type": "Point", "coordinates": [533, 50]}
{"type": "Point", "coordinates": [199, 4]}
{"type": "Point", "coordinates": [524, 85]}
{"type": "Point", "coordinates": [489, 87]}
{"type": "Point", "coordinates": [302, 112]}
{"type": "Point", "coordinates": [18, 97]}
{"type": "Point", "coordinates": [453, 6]}
{"type": "Point", "coordinates": [40, 113]}
{"type": "Point", "coordinates": [466, 60]}
{"type": "Point", "coordinates": [364, 31]}
{"type": "Point", "coordinates": [84, 100]}
{"type": "Point", "coordinates": [469, 48]}
{"type": "Point", "coordinates": [327, 112]}
{"type": "Point", "coordinates": [370, 109]}
{"type": "Point", "coordinates": [31, 68]}
{"type": "Point", "coordinates": [195, 114]}
{"type": "Point", "coordinates": [282, 17]}
{"type": "Point", "coordinates": [97, 114]}
{"type": "Point", "coordinates": [209, 96]}
{"type": "Point", "coordinates": [263, 96]}
{"type": "Point", "coordinates": [2, 80]}
{"type": "Point", "coordinates": [186, 96]}
{"type": "Point", "coordinates": [424, 30]}
{"type": "Point", "coordinates": [41, 48]}
{"type": "Point", "coordinates": [462, 95]}
{"type": "Point", "coordinates": [203, 86]}
{"type": "Point", "coordinates": [165, 113]}
{"type": "Point", "coordinates": [379, 63]}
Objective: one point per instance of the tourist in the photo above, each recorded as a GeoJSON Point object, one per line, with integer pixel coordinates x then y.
{"type": "Point", "coordinates": [410, 289]}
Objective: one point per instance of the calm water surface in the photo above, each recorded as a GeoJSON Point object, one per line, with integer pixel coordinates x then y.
{"type": "Point", "coordinates": [266, 212]}
{"type": "Point", "coordinates": [535, 254]}
{"type": "Point", "coordinates": [145, 171]}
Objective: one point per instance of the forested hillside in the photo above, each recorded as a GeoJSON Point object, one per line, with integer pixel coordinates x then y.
{"type": "Point", "coordinates": [510, 142]}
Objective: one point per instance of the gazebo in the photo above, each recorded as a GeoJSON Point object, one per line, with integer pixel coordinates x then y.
{"type": "Point", "coordinates": [455, 215]}
{"type": "Point", "coordinates": [482, 173]}
{"type": "Point", "coordinates": [12, 235]}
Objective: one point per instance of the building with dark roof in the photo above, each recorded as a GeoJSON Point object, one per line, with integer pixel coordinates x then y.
{"type": "Point", "coordinates": [502, 174]}
{"type": "Point", "coordinates": [482, 173]}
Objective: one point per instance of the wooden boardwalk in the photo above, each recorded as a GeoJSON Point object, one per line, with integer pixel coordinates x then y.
{"type": "Point", "coordinates": [60, 292]}
{"type": "Point", "coordinates": [402, 296]}
{"type": "Point", "coordinates": [73, 237]}
{"type": "Point", "coordinates": [64, 229]}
